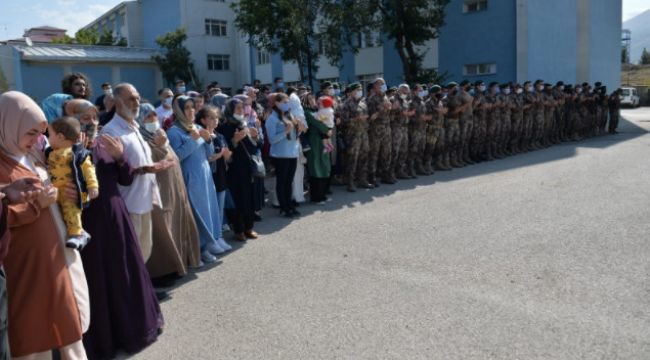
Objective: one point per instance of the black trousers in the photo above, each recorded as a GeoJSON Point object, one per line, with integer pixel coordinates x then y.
{"type": "Point", "coordinates": [4, 337]}
{"type": "Point", "coordinates": [318, 188]}
{"type": "Point", "coordinates": [285, 169]}
{"type": "Point", "coordinates": [242, 218]}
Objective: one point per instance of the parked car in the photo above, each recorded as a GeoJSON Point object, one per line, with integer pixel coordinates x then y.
{"type": "Point", "coordinates": [629, 97]}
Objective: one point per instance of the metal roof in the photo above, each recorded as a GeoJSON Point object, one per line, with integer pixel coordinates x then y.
{"type": "Point", "coordinates": [86, 53]}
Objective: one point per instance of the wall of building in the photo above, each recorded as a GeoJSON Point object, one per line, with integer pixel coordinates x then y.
{"type": "Point", "coordinates": [487, 36]}
{"type": "Point", "coordinates": [41, 80]}
{"type": "Point", "coordinates": [7, 65]}
{"type": "Point", "coordinates": [158, 17]}
{"type": "Point", "coordinates": [605, 47]}
{"type": "Point", "coordinates": [551, 40]}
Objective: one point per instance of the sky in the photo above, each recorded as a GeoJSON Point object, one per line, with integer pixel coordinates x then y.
{"type": "Point", "coordinates": [18, 15]}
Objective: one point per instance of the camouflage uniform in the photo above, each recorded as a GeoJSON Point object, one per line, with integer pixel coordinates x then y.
{"type": "Point", "coordinates": [434, 132]}
{"type": "Point", "coordinates": [452, 131]}
{"type": "Point", "coordinates": [528, 121]}
{"type": "Point", "coordinates": [399, 131]}
{"type": "Point", "coordinates": [549, 117]}
{"type": "Point", "coordinates": [493, 118]}
{"type": "Point", "coordinates": [466, 127]}
{"type": "Point", "coordinates": [356, 141]}
{"type": "Point", "coordinates": [506, 123]}
{"type": "Point", "coordinates": [604, 111]}
{"type": "Point", "coordinates": [614, 112]}
{"type": "Point", "coordinates": [517, 118]}
{"type": "Point", "coordinates": [480, 126]}
{"type": "Point", "coordinates": [558, 132]}
{"type": "Point", "coordinates": [417, 133]}
{"type": "Point", "coordinates": [380, 139]}
{"type": "Point", "coordinates": [538, 120]}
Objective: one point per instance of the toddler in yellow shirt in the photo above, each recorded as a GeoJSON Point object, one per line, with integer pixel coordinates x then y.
{"type": "Point", "coordinates": [68, 161]}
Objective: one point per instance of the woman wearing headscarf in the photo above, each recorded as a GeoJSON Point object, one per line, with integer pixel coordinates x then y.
{"type": "Point", "coordinates": [319, 163]}
{"type": "Point", "coordinates": [239, 175]}
{"type": "Point", "coordinates": [53, 106]}
{"type": "Point", "coordinates": [45, 281]}
{"type": "Point", "coordinates": [193, 146]}
{"type": "Point", "coordinates": [176, 238]}
{"type": "Point", "coordinates": [125, 313]}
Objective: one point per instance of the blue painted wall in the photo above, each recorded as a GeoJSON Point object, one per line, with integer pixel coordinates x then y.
{"type": "Point", "coordinates": [41, 80]}
{"type": "Point", "coordinates": [276, 67]}
{"type": "Point", "coordinates": [480, 37]}
{"type": "Point", "coordinates": [97, 75]}
{"type": "Point", "coordinates": [605, 45]}
{"type": "Point", "coordinates": [347, 74]}
{"type": "Point", "coordinates": [393, 69]}
{"type": "Point", "coordinates": [143, 79]}
{"type": "Point", "coordinates": [552, 37]}
{"type": "Point", "coordinates": [159, 17]}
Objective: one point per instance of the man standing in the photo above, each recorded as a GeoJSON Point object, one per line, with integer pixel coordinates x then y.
{"type": "Point", "coordinates": [417, 131]}
{"type": "Point", "coordinates": [180, 87]}
{"type": "Point", "coordinates": [399, 115]}
{"type": "Point", "coordinates": [106, 90]}
{"type": "Point", "coordinates": [379, 134]}
{"type": "Point", "coordinates": [142, 194]}
{"type": "Point", "coordinates": [278, 85]}
{"type": "Point", "coordinates": [506, 119]}
{"type": "Point", "coordinates": [164, 111]}
{"type": "Point", "coordinates": [614, 110]}
{"type": "Point", "coordinates": [480, 122]}
{"type": "Point", "coordinates": [452, 131]}
{"type": "Point", "coordinates": [354, 117]}
{"type": "Point", "coordinates": [517, 120]}
{"type": "Point", "coordinates": [466, 122]}
{"type": "Point", "coordinates": [493, 118]}
{"type": "Point", "coordinates": [19, 191]}
{"type": "Point", "coordinates": [435, 130]}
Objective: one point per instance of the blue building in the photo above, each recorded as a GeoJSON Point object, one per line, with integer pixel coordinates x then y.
{"type": "Point", "coordinates": [519, 40]}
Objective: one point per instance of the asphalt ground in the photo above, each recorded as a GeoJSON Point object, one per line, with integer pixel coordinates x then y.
{"type": "Point", "coordinates": [543, 255]}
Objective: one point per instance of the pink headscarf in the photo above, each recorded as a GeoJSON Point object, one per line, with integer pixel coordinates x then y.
{"type": "Point", "coordinates": [18, 114]}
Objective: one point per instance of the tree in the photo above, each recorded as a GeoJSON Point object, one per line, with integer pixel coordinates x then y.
{"type": "Point", "coordinates": [86, 37]}
{"type": "Point", "coordinates": [645, 57]}
{"type": "Point", "coordinates": [625, 57]}
{"type": "Point", "coordinates": [175, 63]}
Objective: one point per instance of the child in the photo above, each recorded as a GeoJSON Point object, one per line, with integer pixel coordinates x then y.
{"type": "Point", "coordinates": [325, 114]}
{"type": "Point", "coordinates": [68, 160]}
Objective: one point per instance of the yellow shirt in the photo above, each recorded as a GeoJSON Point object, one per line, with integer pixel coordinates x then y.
{"type": "Point", "coordinates": [59, 166]}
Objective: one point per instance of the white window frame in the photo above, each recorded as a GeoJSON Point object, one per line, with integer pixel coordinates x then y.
{"type": "Point", "coordinates": [216, 27]}
{"type": "Point", "coordinates": [479, 69]}
{"type": "Point", "coordinates": [473, 6]}
{"type": "Point", "coordinates": [214, 59]}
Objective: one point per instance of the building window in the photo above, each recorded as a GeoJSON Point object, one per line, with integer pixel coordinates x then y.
{"type": "Point", "coordinates": [263, 57]}
{"type": "Point", "coordinates": [368, 39]}
{"type": "Point", "coordinates": [218, 62]}
{"type": "Point", "coordinates": [216, 27]}
{"type": "Point", "coordinates": [480, 69]}
{"type": "Point", "coordinates": [471, 6]}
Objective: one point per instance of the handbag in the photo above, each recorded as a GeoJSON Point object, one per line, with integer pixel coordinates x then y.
{"type": "Point", "coordinates": [257, 165]}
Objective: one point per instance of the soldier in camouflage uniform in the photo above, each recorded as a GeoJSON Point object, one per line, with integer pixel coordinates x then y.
{"type": "Point", "coordinates": [435, 128]}
{"type": "Point", "coordinates": [354, 117]}
{"type": "Point", "coordinates": [506, 119]}
{"type": "Point", "coordinates": [417, 132]}
{"type": "Point", "coordinates": [399, 128]}
{"type": "Point", "coordinates": [452, 127]}
{"type": "Point", "coordinates": [538, 115]}
{"type": "Point", "coordinates": [558, 96]}
{"type": "Point", "coordinates": [517, 118]}
{"type": "Point", "coordinates": [480, 122]}
{"type": "Point", "coordinates": [549, 114]}
{"type": "Point", "coordinates": [466, 122]}
{"type": "Point", "coordinates": [614, 109]}
{"type": "Point", "coordinates": [493, 117]}
{"type": "Point", "coordinates": [603, 102]}
{"type": "Point", "coordinates": [529, 116]}
{"type": "Point", "coordinates": [379, 134]}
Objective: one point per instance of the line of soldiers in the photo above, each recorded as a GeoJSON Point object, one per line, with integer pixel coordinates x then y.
{"type": "Point", "coordinates": [400, 133]}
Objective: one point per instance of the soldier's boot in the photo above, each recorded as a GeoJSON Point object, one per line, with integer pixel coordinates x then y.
{"type": "Point", "coordinates": [419, 167]}
{"type": "Point", "coordinates": [466, 158]}
{"type": "Point", "coordinates": [351, 187]}
{"type": "Point", "coordinates": [410, 169]}
{"type": "Point", "coordinates": [446, 161]}
{"type": "Point", "coordinates": [428, 169]}
{"type": "Point", "coordinates": [496, 151]}
{"type": "Point", "coordinates": [454, 160]}
{"type": "Point", "coordinates": [439, 165]}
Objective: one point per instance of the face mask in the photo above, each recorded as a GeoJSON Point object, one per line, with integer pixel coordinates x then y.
{"type": "Point", "coordinates": [284, 107]}
{"type": "Point", "coordinates": [423, 93]}
{"type": "Point", "coordinates": [578, 90]}
{"type": "Point", "coordinates": [497, 90]}
{"type": "Point", "coordinates": [108, 92]}
{"type": "Point", "coordinates": [519, 91]}
{"type": "Point", "coordinates": [561, 88]}
{"type": "Point", "coordinates": [238, 117]}
{"type": "Point", "coordinates": [168, 101]}
{"type": "Point", "coordinates": [383, 88]}
{"type": "Point", "coordinates": [540, 88]}
{"type": "Point", "coordinates": [331, 92]}
{"type": "Point", "coordinates": [472, 92]}
{"type": "Point", "coordinates": [529, 88]}
{"type": "Point", "coordinates": [181, 89]}
{"type": "Point", "coordinates": [403, 96]}
{"type": "Point", "coordinates": [280, 85]}
{"type": "Point", "coordinates": [481, 88]}
{"type": "Point", "coordinates": [337, 92]}
{"type": "Point", "coordinates": [152, 127]}
{"type": "Point", "coordinates": [89, 129]}
{"type": "Point", "coordinates": [358, 94]}
{"type": "Point", "coordinates": [506, 91]}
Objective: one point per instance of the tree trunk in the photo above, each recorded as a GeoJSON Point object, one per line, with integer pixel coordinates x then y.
{"type": "Point", "coordinates": [399, 45]}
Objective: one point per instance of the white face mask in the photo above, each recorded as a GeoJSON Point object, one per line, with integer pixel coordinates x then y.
{"type": "Point", "coordinates": [540, 88]}
{"type": "Point", "coordinates": [506, 91]}
{"type": "Point", "coordinates": [358, 94]}
{"type": "Point", "coordinates": [108, 91]}
{"type": "Point", "coordinates": [152, 127]}
{"type": "Point", "coordinates": [239, 117]}
{"type": "Point", "coordinates": [330, 92]}
{"type": "Point", "coordinates": [578, 90]}
{"type": "Point", "coordinates": [529, 88]}
{"type": "Point", "coordinates": [403, 96]}
{"type": "Point", "coordinates": [168, 101]}
{"type": "Point", "coordinates": [423, 93]}
{"type": "Point", "coordinates": [481, 88]}
{"type": "Point", "coordinates": [383, 88]}
{"type": "Point", "coordinates": [519, 90]}
{"type": "Point", "coordinates": [562, 88]}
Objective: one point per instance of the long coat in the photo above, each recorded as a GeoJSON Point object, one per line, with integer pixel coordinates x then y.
{"type": "Point", "coordinates": [318, 163]}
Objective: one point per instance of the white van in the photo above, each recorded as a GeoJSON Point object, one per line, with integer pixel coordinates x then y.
{"type": "Point", "coordinates": [629, 97]}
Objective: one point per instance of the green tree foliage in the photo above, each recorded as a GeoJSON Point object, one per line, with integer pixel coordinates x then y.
{"type": "Point", "coordinates": [87, 37]}
{"type": "Point", "coordinates": [295, 28]}
{"type": "Point", "coordinates": [645, 57]}
{"type": "Point", "coordinates": [175, 63]}
{"type": "Point", "coordinates": [92, 37]}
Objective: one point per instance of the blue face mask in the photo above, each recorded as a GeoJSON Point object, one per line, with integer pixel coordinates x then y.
{"type": "Point", "coordinates": [384, 88]}
{"type": "Point", "coordinates": [280, 85]}
{"type": "Point", "coordinates": [284, 107]}
{"type": "Point", "coordinates": [337, 92]}
{"type": "Point", "coordinates": [181, 89]}
{"type": "Point", "coordinates": [472, 92]}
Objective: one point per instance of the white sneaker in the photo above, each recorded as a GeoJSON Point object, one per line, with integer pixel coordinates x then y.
{"type": "Point", "coordinates": [222, 242]}
{"type": "Point", "coordinates": [214, 248]}
{"type": "Point", "coordinates": [208, 258]}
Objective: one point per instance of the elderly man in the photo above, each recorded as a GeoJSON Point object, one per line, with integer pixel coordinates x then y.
{"type": "Point", "coordinates": [19, 191]}
{"type": "Point", "coordinates": [164, 111]}
{"type": "Point", "coordinates": [142, 194]}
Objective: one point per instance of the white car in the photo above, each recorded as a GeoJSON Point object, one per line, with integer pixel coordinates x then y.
{"type": "Point", "coordinates": [629, 97]}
